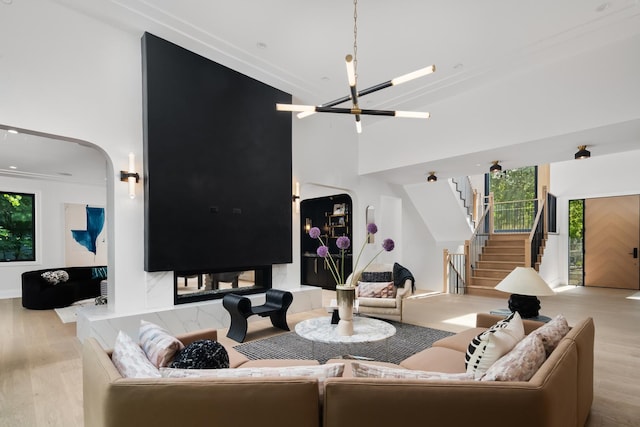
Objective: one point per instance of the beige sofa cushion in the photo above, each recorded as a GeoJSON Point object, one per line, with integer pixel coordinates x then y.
{"type": "Point", "coordinates": [438, 359]}
{"type": "Point", "coordinates": [364, 370]}
{"type": "Point", "coordinates": [459, 341]}
{"type": "Point", "coordinates": [279, 363]}
{"type": "Point", "coordinates": [377, 302]}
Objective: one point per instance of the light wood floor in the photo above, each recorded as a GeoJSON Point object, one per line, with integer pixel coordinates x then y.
{"type": "Point", "coordinates": [41, 369]}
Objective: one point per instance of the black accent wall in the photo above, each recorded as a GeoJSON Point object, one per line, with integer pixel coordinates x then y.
{"type": "Point", "coordinates": [217, 165]}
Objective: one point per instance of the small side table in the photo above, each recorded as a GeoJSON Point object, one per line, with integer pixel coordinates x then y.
{"type": "Point", "coordinates": [506, 312]}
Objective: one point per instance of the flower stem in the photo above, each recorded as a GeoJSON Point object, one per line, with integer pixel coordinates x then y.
{"type": "Point", "coordinates": [355, 266]}
{"type": "Point", "coordinates": [334, 270]}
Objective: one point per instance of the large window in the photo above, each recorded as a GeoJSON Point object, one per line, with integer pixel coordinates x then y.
{"type": "Point", "coordinates": [514, 195]}
{"type": "Point", "coordinates": [17, 227]}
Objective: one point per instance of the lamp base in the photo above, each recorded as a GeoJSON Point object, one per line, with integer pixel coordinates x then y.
{"type": "Point", "coordinates": [526, 305]}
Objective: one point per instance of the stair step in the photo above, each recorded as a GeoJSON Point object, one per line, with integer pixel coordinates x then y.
{"type": "Point", "coordinates": [503, 250]}
{"type": "Point", "coordinates": [514, 237]}
{"type": "Point", "coordinates": [499, 265]}
{"type": "Point", "coordinates": [485, 291]}
{"type": "Point", "coordinates": [502, 257]}
{"type": "Point", "coordinates": [484, 281]}
{"type": "Point", "coordinates": [490, 273]}
{"type": "Point", "coordinates": [505, 242]}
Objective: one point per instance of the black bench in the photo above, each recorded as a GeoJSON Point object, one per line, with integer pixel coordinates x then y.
{"type": "Point", "coordinates": [240, 309]}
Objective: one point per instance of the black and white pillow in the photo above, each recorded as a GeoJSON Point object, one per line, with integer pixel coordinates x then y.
{"type": "Point", "coordinates": [489, 346]}
{"type": "Point", "coordinates": [55, 277]}
{"type": "Point", "coordinates": [376, 276]}
{"type": "Point", "coordinates": [202, 354]}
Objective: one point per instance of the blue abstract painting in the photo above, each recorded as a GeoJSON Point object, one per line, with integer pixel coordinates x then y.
{"type": "Point", "coordinates": [95, 223]}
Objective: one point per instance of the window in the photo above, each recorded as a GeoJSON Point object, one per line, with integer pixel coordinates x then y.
{"type": "Point", "coordinates": [576, 242]}
{"type": "Point", "coordinates": [17, 227]}
{"type": "Point", "coordinates": [514, 195]}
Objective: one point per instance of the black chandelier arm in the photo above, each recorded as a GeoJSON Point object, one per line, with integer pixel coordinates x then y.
{"type": "Point", "coordinates": [355, 111]}
{"type": "Point", "coordinates": [359, 94]}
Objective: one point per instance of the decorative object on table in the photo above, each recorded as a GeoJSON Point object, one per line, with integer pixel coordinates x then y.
{"type": "Point", "coordinates": [352, 74]}
{"type": "Point", "coordinates": [346, 292]}
{"type": "Point", "coordinates": [525, 285]}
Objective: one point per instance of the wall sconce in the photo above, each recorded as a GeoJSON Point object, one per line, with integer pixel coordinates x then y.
{"type": "Point", "coordinates": [432, 177]}
{"type": "Point", "coordinates": [131, 176]}
{"type": "Point", "coordinates": [495, 169]}
{"type": "Point", "coordinates": [296, 197]}
{"type": "Point", "coordinates": [582, 153]}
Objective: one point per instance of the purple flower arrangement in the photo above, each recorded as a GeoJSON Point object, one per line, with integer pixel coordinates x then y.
{"type": "Point", "coordinates": [343, 244]}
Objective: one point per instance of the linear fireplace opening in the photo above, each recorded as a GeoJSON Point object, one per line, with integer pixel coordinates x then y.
{"type": "Point", "coordinates": [194, 286]}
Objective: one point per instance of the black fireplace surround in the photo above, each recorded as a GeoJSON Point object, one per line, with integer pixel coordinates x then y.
{"type": "Point", "coordinates": [217, 165]}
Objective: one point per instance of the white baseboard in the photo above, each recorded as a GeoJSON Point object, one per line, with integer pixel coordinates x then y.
{"type": "Point", "coordinates": [13, 293]}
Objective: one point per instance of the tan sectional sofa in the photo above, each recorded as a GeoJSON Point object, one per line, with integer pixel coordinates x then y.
{"type": "Point", "coordinates": [559, 394]}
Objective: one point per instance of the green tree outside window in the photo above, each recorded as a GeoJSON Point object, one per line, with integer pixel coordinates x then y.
{"type": "Point", "coordinates": [17, 227]}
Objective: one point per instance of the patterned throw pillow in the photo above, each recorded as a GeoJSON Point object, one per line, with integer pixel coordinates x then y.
{"type": "Point", "coordinates": [55, 277]}
{"type": "Point", "coordinates": [321, 372]}
{"type": "Point", "coordinates": [376, 290]}
{"type": "Point", "coordinates": [99, 272]}
{"type": "Point", "coordinates": [364, 370]}
{"type": "Point", "coordinates": [202, 354]}
{"type": "Point", "coordinates": [159, 346]}
{"type": "Point", "coordinates": [130, 360]}
{"type": "Point", "coordinates": [520, 363]}
{"type": "Point", "coordinates": [489, 346]}
{"type": "Point", "coordinates": [376, 276]}
{"type": "Point", "coordinates": [552, 332]}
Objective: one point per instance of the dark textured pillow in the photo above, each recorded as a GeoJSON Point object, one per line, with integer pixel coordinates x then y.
{"type": "Point", "coordinates": [376, 276]}
{"type": "Point", "coordinates": [201, 354]}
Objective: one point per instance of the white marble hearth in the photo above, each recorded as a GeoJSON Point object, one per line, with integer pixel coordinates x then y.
{"type": "Point", "coordinates": [102, 324]}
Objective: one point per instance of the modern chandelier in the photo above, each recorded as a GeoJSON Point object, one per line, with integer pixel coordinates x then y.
{"type": "Point", "coordinates": [352, 75]}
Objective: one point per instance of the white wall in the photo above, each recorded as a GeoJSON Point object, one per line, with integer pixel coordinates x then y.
{"type": "Point", "coordinates": [599, 176]}
{"type": "Point", "coordinates": [50, 199]}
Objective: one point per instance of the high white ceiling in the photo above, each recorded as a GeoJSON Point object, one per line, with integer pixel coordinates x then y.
{"type": "Point", "coordinates": [299, 46]}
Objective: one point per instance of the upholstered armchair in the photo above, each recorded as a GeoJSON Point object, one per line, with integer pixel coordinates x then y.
{"type": "Point", "coordinates": [381, 305]}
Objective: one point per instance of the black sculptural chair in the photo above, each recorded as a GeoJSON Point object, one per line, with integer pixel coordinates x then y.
{"type": "Point", "coordinates": [239, 307]}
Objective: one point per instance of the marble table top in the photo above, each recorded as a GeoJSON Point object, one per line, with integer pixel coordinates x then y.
{"type": "Point", "coordinates": [365, 330]}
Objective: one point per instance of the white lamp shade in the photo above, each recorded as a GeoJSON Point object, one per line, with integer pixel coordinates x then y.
{"type": "Point", "coordinates": [525, 281]}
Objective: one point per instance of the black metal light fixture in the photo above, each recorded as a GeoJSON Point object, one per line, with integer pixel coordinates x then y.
{"type": "Point", "coordinates": [432, 177]}
{"type": "Point", "coordinates": [495, 168]}
{"type": "Point", "coordinates": [582, 153]}
{"type": "Point", "coordinates": [352, 62]}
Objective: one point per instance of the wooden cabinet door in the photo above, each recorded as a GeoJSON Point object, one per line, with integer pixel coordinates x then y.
{"type": "Point", "coordinates": [612, 240]}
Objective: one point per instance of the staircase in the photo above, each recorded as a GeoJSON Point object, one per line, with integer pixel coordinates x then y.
{"type": "Point", "coordinates": [500, 255]}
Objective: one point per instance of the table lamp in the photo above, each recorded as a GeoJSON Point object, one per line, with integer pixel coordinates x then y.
{"type": "Point", "coordinates": [525, 285]}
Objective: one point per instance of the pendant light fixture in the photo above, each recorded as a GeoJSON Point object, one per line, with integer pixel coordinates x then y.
{"type": "Point", "coordinates": [352, 76]}
{"type": "Point", "coordinates": [432, 177]}
{"type": "Point", "coordinates": [495, 168]}
{"type": "Point", "coordinates": [582, 153]}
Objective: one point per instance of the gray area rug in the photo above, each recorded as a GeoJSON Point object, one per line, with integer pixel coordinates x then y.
{"type": "Point", "coordinates": [408, 340]}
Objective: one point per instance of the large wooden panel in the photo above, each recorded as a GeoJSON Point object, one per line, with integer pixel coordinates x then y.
{"type": "Point", "coordinates": [612, 231]}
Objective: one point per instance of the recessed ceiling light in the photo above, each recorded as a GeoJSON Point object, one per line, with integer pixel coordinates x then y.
{"type": "Point", "coordinates": [64, 173]}
{"type": "Point", "coordinates": [603, 7]}
{"type": "Point", "coordinates": [7, 1]}
{"type": "Point", "coordinates": [458, 66]}
{"type": "Point", "coordinates": [13, 131]}
{"type": "Point", "coordinates": [13, 167]}
{"type": "Point", "coordinates": [261, 45]}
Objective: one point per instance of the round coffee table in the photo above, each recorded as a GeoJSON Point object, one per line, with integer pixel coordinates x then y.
{"type": "Point", "coordinates": [365, 330]}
